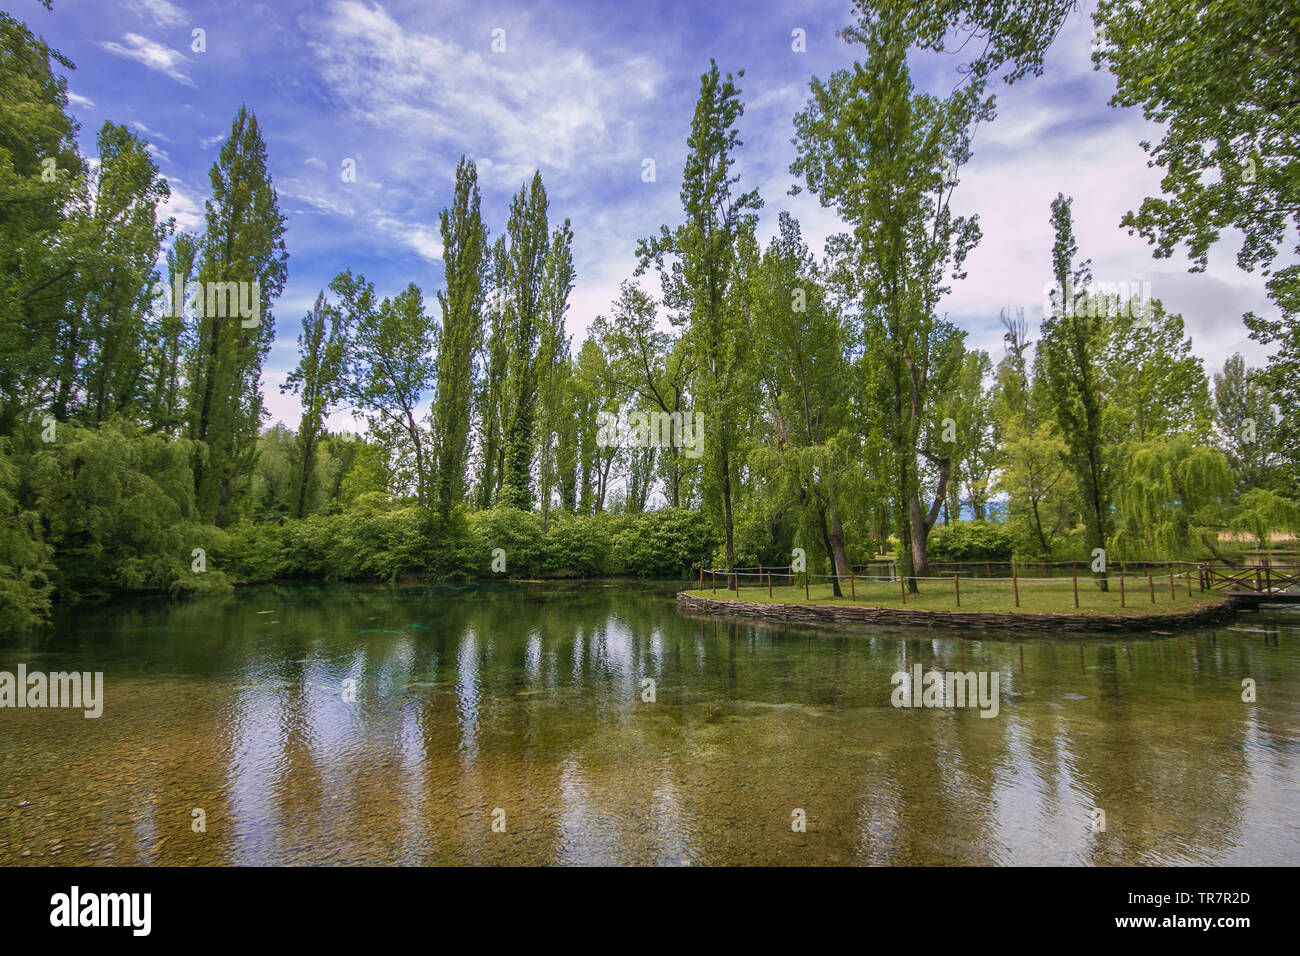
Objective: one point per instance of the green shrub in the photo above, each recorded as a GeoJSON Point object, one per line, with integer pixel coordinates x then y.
{"type": "Point", "coordinates": [970, 541]}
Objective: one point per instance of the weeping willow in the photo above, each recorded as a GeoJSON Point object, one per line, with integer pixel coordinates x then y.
{"type": "Point", "coordinates": [1171, 490]}
{"type": "Point", "coordinates": [1261, 511]}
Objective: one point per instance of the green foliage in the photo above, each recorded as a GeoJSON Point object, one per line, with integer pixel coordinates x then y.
{"type": "Point", "coordinates": [971, 541]}
{"type": "Point", "coordinates": [1259, 512]}
{"type": "Point", "coordinates": [118, 509]}
{"type": "Point", "coordinates": [465, 250]}
{"type": "Point", "coordinates": [1220, 79]}
{"type": "Point", "coordinates": [698, 265]}
{"type": "Point", "coordinates": [380, 540]}
{"type": "Point", "coordinates": [26, 560]}
{"type": "Point", "coordinates": [1170, 491]}
{"type": "Point", "coordinates": [665, 543]}
{"type": "Point", "coordinates": [243, 245]}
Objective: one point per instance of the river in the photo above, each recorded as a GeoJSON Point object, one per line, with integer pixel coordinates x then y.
{"type": "Point", "coordinates": [591, 723]}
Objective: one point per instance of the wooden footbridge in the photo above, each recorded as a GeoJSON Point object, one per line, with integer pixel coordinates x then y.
{"type": "Point", "coordinates": [1264, 584]}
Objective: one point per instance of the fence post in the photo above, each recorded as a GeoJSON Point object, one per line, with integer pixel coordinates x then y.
{"type": "Point", "coordinates": [1121, 590]}
{"type": "Point", "coordinates": [853, 588]}
{"type": "Point", "coordinates": [737, 573]}
{"type": "Point", "coordinates": [715, 580]}
{"type": "Point", "coordinates": [789, 575]}
{"type": "Point", "coordinates": [769, 585]}
{"type": "Point", "coordinates": [956, 583]}
{"type": "Point", "coordinates": [1189, 583]}
{"type": "Point", "coordinates": [1258, 587]}
{"type": "Point", "coordinates": [806, 596]}
{"type": "Point", "coordinates": [1151, 585]}
{"type": "Point", "coordinates": [1171, 585]}
{"type": "Point", "coordinates": [1074, 572]}
{"type": "Point", "coordinates": [701, 577]}
{"type": "Point", "coordinates": [1015, 582]}
{"type": "Point", "coordinates": [902, 589]}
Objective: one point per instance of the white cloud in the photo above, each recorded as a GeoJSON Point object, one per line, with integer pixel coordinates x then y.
{"type": "Point", "coordinates": [424, 241]}
{"type": "Point", "coordinates": [161, 12]}
{"type": "Point", "coordinates": [153, 55]}
{"type": "Point", "coordinates": [207, 142]}
{"type": "Point", "coordinates": [320, 204]}
{"type": "Point", "coordinates": [76, 99]}
{"type": "Point", "coordinates": [148, 133]}
{"type": "Point", "coordinates": [538, 104]}
{"type": "Point", "coordinates": [187, 211]}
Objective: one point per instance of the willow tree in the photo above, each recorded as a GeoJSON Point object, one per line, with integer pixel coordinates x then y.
{"type": "Point", "coordinates": [696, 264]}
{"type": "Point", "coordinates": [1172, 495]}
{"type": "Point", "coordinates": [884, 157]}
{"type": "Point", "coordinates": [804, 377]}
{"type": "Point", "coordinates": [464, 256]}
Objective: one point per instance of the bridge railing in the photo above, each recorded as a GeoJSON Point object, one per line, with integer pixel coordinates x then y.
{"type": "Point", "coordinates": [1258, 580]}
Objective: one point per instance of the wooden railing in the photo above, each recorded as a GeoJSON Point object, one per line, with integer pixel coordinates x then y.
{"type": "Point", "coordinates": [1256, 580]}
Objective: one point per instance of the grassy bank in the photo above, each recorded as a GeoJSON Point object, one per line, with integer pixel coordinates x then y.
{"type": "Point", "coordinates": [1037, 596]}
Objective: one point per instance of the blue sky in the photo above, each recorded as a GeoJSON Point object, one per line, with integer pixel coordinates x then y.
{"type": "Point", "coordinates": [585, 91]}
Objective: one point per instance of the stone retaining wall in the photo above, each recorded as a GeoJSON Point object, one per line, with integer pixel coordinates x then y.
{"type": "Point", "coordinates": [852, 615]}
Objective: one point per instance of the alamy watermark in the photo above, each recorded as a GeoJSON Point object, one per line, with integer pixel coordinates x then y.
{"type": "Point", "coordinates": [683, 430]}
{"type": "Point", "coordinates": [83, 691]}
{"type": "Point", "coordinates": [241, 300]}
{"type": "Point", "coordinates": [1097, 299]}
{"type": "Point", "coordinates": [947, 689]}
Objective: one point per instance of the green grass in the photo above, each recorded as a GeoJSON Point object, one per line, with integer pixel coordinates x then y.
{"type": "Point", "coordinates": [1055, 596]}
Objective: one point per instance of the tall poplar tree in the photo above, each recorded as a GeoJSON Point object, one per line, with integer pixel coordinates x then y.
{"type": "Point", "coordinates": [243, 242]}
{"type": "Point", "coordinates": [696, 263]}
{"type": "Point", "coordinates": [1070, 356]}
{"type": "Point", "coordinates": [885, 158]}
{"type": "Point", "coordinates": [465, 251]}
{"type": "Point", "coordinates": [529, 247]}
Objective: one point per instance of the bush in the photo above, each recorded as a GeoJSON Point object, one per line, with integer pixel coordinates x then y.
{"type": "Point", "coordinates": [667, 543]}
{"type": "Point", "coordinates": [970, 541]}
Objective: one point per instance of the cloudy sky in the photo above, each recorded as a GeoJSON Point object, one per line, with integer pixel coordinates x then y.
{"type": "Point", "coordinates": [585, 91]}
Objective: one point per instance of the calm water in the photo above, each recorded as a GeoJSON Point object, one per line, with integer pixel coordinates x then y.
{"type": "Point", "coordinates": [528, 699]}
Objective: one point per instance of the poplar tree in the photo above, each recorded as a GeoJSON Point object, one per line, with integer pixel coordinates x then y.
{"type": "Point", "coordinates": [491, 393]}
{"type": "Point", "coordinates": [465, 251]}
{"type": "Point", "coordinates": [243, 242]}
{"type": "Point", "coordinates": [1069, 356]}
{"type": "Point", "coordinates": [317, 380]}
{"type": "Point", "coordinates": [696, 264]}
{"type": "Point", "coordinates": [885, 158]}
{"type": "Point", "coordinates": [529, 247]}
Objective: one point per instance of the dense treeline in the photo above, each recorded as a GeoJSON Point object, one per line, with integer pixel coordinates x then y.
{"type": "Point", "coordinates": [764, 399]}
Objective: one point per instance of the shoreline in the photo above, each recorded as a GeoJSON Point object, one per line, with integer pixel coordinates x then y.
{"type": "Point", "coordinates": [854, 615]}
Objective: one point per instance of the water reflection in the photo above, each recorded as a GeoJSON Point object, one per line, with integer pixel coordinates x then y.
{"type": "Point", "coordinates": [527, 703]}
